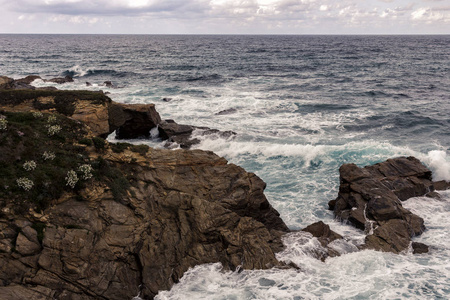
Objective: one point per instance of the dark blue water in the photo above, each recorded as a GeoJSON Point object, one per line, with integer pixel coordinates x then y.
{"type": "Point", "coordinates": [302, 106]}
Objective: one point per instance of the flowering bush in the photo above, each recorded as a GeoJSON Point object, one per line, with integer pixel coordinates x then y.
{"type": "Point", "coordinates": [71, 178]}
{"type": "Point", "coordinates": [25, 183]}
{"type": "Point", "coordinates": [48, 155]}
{"type": "Point", "coordinates": [3, 123]}
{"type": "Point", "coordinates": [86, 169]}
{"type": "Point", "coordinates": [53, 129]}
{"type": "Point", "coordinates": [29, 165]}
{"type": "Point", "coordinates": [37, 114]}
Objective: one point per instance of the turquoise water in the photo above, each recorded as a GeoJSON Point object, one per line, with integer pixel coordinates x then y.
{"type": "Point", "coordinates": [302, 106]}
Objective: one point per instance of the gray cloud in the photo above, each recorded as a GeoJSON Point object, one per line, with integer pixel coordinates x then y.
{"type": "Point", "coordinates": [227, 16]}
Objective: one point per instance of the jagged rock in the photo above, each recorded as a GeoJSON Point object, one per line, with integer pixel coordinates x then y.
{"type": "Point", "coordinates": [228, 111]}
{"type": "Point", "coordinates": [60, 80]}
{"type": "Point", "coordinates": [370, 197]}
{"type": "Point", "coordinates": [6, 82]}
{"type": "Point", "coordinates": [29, 79]}
{"type": "Point", "coordinates": [325, 236]}
{"type": "Point", "coordinates": [132, 120]}
{"type": "Point", "coordinates": [108, 84]}
{"type": "Point", "coordinates": [179, 209]}
{"type": "Point", "coordinates": [103, 115]}
{"type": "Point", "coordinates": [419, 248]}
{"type": "Point", "coordinates": [182, 134]}
{"type": "Point", "coordinates": [322, 232]}
{"type": "Point", "coordinates": [441, 185]}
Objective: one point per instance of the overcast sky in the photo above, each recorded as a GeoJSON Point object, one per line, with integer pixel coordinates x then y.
{"type": "Point", "coordinates": [226, 16]}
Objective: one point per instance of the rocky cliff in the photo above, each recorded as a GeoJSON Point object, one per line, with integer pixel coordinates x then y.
{"type": "Point", "coordinates": [84, 219]}
{"type": "Point", "coordinates": [81, 219]}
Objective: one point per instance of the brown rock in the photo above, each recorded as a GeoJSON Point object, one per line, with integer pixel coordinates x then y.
{"type": "Point", "coordinates": [419, 248]}
{"type": "Point", "coordinates": [322, 232]}
{"type": "Point", "coordinates": [441, 185]}
{"type": "Point", "coordinates": [132, 120]}
{"type": "Point", "coordinates": [61, 80]}
{"type": "Point", "coordinates": [6, 82]}
{"type": "Point", "coordinates": [29, 79]}
{"type": "Point", "coordinates": [370, 196]}
{"type": "Point", "coordinates": [391, 236]}
{"type": "Point", "coordinates": [182, 208]}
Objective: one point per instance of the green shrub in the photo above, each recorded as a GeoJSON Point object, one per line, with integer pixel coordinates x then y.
{"type": "Point", "coordinates": [141, 149]}
{"type": "Point", "coordinates": [119, 147]}
{"type": "Point", "coordinates": [99, 143]}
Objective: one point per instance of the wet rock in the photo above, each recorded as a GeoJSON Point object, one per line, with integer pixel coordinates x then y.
{"type": "Point", "coordinates": [167, 99]}
{"type": "Point", "coordinates": [370, 197]}
{"type": "Point", "coordinates": [88, 84]}
{"type": "Point", "coordinates": [228, 111]}
{"type": "Point", "coordinates": [108, 84]}
{"type": "Point", "coordinates": [60, 80]}
{"type": "Point", "coordinates": [322, 232]}
{"type": "Point", "coordinates": [182, 134]}
{"type": "Point", "coordinates": [441, 185]}
{"type": "Point", "coordinates": [325, 236]}
{"type": "Point", "coordinates": [29, 79]}
{"type": "Point", "coordinates": [419, 248]}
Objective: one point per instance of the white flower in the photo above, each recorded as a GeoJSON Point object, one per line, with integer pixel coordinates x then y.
{"type": "Point", "coordinates": [51, 119]}
{"type": "Point", "coordinates": [3, 124]}
{"type": "Point", "coordinates": [71, 178]}
{"type": "Point", "coordinates": [37, 114]}
{"type": "Point", "coordinates": [86, 169]}
{"type": "Point", "coordinates": [48, 155]}
{"type": "Point", "coordinates": [54, 129]}
{"type": "Point", "coordinates": [29, 165]}
{"type": "Point", "coordinates": [25, 183]}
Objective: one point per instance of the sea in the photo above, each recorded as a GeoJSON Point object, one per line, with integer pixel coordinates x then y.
{"type": "Point", "coordinates": [301, 107]}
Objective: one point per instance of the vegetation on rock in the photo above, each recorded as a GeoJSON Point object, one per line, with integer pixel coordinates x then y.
{"type": "Point", "coordinates": [38, 165]}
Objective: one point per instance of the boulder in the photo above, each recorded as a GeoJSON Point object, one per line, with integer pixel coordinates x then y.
{"type": "Point", "coordinates": [60, 80]}
{"type": "Point", "coordinates": [370, 199]}
{"type": "Point", "coordinates": [132, 120]}
{"type": "Point", "coordinates": [182, 134]}
{"type": "Point", "coordinates": [108, 84]}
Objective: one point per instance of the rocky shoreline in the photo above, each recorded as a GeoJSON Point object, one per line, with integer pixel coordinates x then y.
{"type": "Point", "coordinates": [145, 216]}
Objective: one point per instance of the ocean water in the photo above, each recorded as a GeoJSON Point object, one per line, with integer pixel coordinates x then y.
{"type": "Point", "coordinates": [301, 107]}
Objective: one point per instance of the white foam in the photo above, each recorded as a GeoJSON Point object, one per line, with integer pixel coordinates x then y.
{"type": "Point", "coordinates": [439, 163]}
{"type": "Point", "coordinates": [79, 71]}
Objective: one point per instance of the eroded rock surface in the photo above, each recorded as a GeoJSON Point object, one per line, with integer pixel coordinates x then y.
{"type": "Point", "coordinates": [179, 209]}
{"type": "Point", "coordinates": [99, 112]}
{"type": "Point", "coordinates": [370, 198]}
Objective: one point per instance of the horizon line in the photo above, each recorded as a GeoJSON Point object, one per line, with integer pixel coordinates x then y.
{"type": "Point", "coordinates": [245, 34]}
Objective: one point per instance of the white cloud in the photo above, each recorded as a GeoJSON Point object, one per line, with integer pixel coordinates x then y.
{"type": "Point", "coordinates": [230, 16]}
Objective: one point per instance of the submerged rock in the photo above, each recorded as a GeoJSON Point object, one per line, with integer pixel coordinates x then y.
{"type": "Point", "coordinates": [325, 235]}
{"type": "Point", "coordinates": [228, 111]}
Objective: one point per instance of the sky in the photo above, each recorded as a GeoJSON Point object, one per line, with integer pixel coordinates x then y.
{"type": "Point", "coordinates": [226, 16]}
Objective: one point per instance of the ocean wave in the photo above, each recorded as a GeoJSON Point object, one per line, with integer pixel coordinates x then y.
{"type": "Point", "coordinates": [78, 72]}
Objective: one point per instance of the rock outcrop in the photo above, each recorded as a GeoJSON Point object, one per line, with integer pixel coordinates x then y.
{"type": "Point", "coordinates": [99, 112]}
{"type": "Point", "coordinates": [370, 199]}
{"type": "Point", "coordinates": [137, 225]}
